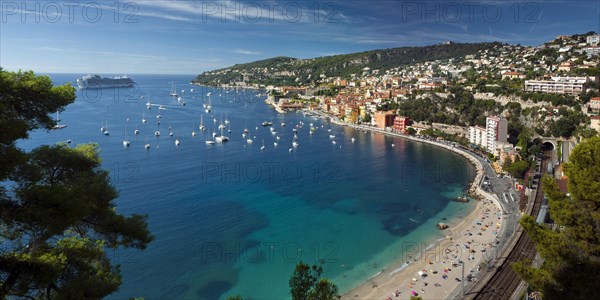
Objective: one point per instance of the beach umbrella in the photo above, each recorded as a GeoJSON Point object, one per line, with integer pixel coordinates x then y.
{"type": "Point", "coordinates": [420, 273]}
{"type": "Point", "coordinates": [413, 293]}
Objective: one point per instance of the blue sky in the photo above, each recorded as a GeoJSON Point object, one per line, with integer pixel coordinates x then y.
{"type": "Point", "coordinates": [188, 37]}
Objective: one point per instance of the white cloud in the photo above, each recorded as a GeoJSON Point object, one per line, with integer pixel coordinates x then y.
{"type": "Point", "coordinates": [246, 52]}
{"type": "Point", "coordinates": [45, 48]}
{"type": "Point", "coordinates": [251, 13]}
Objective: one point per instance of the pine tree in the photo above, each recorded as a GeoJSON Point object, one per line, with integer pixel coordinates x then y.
{"type": "Point", "coordinates": [57, 214]}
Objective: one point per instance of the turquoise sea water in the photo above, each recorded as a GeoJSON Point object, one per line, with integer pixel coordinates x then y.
{"type": "Point", "coordinates": [233, 219]}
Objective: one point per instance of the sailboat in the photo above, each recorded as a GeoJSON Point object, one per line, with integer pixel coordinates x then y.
{"type": "Point", "coordinates": [147, 146]}
{"type": "Point", "coordinates": [173, 90]}
{"type": "Point", "coordinates": [143, 117]}
{"type": "Point", "coordinates": [126, 141]}
{"type": "Point", "coordinates": [263, 145]}
{"type": "Point", "coordinates": [106, 129]}
{"type": "Point", "coordinates": [214, 134]}
{"type": "Point", "coordinates": [202, 127]}
{"type": "Point", "coordinates": [193, 131]}
{"type": "Point", "coordinates": [222, 138]}
{"type": "Point", "coordinates": [222, 125]}
{"type": "Point", "coordinates": [208, 106]}
{"type": "Point", "coordinates": [58, 125]}
{"type": "Point", "coordinates": [148, 104]}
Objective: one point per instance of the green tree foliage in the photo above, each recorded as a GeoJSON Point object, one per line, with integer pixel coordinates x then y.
{"type": "Point", "coordinates": [367, 118]}
{"type": "Point", "coordinates": [523, 141]}
{"type": "Point", "coordinates": [25, 103]}
{"type": "Point", "coordinates": [564, 127]}
{"type": "Point", "coordinates": [587, 133]}
{"type": "Point", "coordinates": [306, 283]}
{"type": "Point", "coordinates": [572, 252]}
{"type": "Point", "coordinates": [330, 92]}
{"type": "Point", "coordinates": [555, 99]}
{"type": "Point", "coordinates": [56, 204]}
{"type": "Point", "coordinates": [436, 133]}
{"type": "Point", "coordinates": [517, 169]}
{"type": "Point", "coordinates": [388, 105]}
{"type": "Point", "coordinates": [460, 108]}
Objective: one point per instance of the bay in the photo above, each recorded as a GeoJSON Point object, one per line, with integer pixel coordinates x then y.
{"type": "Point", "coordinates": [234, 219]}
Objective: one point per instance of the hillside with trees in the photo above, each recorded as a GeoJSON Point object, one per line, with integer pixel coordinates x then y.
{"type": "Point", "coordinates": [292, 71]}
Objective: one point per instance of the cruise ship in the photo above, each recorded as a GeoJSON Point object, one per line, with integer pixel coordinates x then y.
{"type": "Point", "coordinates": [97, 82]}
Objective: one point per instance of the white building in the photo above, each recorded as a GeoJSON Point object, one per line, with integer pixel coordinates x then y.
{"type": "Point", "coordinates": [558, 85]}
{"type": "Point", "coordinates": [592, 50]}
{"type": "Point", "coordinates": [493, 135]}
{"type": "Point", "coordinates": [593, 39]}
{"type": "Point", "coordinates": [497, 132]}
{"type": "Point", "coordinates": [478, 136]}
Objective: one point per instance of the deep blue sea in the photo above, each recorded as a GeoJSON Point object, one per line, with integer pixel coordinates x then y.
{"type": "Point", "coordinates": [234, 219]}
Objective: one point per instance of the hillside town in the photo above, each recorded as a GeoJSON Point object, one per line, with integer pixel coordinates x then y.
{"type": "Point", "coordinates": [517, 95]}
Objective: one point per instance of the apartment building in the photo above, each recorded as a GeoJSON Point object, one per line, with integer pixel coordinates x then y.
{"type": "Point", "coordinates": [559, 85]}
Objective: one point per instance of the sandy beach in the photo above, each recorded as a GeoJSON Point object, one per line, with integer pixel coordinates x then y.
{"type": "Point", "coordinates": [468, 242]}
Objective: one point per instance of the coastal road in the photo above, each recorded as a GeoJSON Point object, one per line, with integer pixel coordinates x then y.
{"type": "Point", "coordinates": [505, 281]}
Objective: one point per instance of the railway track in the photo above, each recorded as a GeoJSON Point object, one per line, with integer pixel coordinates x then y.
{"type": "Point", "coordinates": [505, 281]}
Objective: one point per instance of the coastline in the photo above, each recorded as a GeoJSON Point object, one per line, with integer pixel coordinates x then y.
{"type": "Point", "coordinates": [399, 279]}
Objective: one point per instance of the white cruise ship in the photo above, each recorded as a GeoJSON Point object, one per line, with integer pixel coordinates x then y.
{"type": "Point", "coordinates": [97, 82]}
